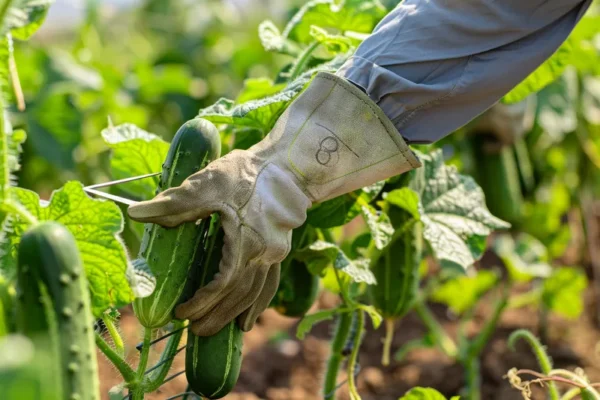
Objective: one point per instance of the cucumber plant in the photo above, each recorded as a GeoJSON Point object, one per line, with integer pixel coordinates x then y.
{"type": "Point", "coordinates": [431, 216]}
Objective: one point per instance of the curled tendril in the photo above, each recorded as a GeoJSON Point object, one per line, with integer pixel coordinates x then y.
{"type": "Point", "coordinates": [577, 379]}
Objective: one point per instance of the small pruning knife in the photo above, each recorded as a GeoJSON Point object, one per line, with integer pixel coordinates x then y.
{"type": "Point", "coordinates": [92, 189]}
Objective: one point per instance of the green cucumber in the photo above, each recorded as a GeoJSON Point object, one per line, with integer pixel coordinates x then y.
{"type": "Point", "coordinates": [298, 288]}
{"type": "Point", "coordinates": [7, 294]}
{"type": "Point", "coordinates": [297, 291]}
{"type": "Point", "coordinates": [170, 252]}
{"type": "Point", "coordinates": [498, 175]}
{"type": "Point", "coordinates": [212, 363]}
{"type": "Point", "coordinates": [53, 305]}
{"type": "Point", "coordinates": [396, 269]}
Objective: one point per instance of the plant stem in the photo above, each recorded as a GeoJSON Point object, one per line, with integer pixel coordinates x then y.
{"type": "Point", "coordinates": [477, 345]}
{"type": "Point", "coordinates": [543, 324]}
{"type": "Point", "coordinates": [473, 379]}
{"type": "Point", "coordinates": [470, 358]}
{"type": "Point", "coordinates": [540, 353]}
{"type": "Point", "coordinates": [144, 353]}
{"type": "Point", "coordinates": [335, 359]}
{"type": "Point", "coordinates": [302, 60]}
{"type": "Point", "coordinates": [126, 371]}
{"type": "Point", "coordinates": [14, 76]}
{"type": "Point", "coordinates": [444, 342]}
{"type": "Point", "coordinates": [113, 331]}
{"type": "Point", "coordinates": [162, 367]}
{"type": "Point", "coordinates": [15, 208]}
{"type": "Point", "coordinates": [387, 342]}
{"type": "Point", "coordinates": [360, 327]}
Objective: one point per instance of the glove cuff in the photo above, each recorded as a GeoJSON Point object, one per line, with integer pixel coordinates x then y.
{"type": "Point", "coordinates": [336, 139]}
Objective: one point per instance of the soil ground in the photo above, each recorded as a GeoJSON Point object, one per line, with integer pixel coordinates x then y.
{"type": "Point", "coordinates": [279, 367]}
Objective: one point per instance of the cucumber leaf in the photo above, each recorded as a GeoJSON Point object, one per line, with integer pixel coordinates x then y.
{"type": "Point", "coordinates": [96, 225]}
{"type": "Point", "coordinates": [525, 258]}
{"type": "Point", "coordinates": [379, 225]}
{"type": "Point", "coordinates": [342, 209]}
{"type": "Point", "coordinates": [420, 393]}
{"type": "Point", "coordinates": [453, 211]}
{"type": "Point", "coordinates": [376, 317]}
{"type": "Point", "coordinates": [407, 199]}
{"type": "Point", "coordinates": [462, 293]}
{"type": "Point", "coordinates": [54, 126]}
{"type": "Point", "coordinates": [135, 152]}
{"type": "Point", "coordinates": [309, 320]}
{"type": "Point", "coordinates": [320, 254]}
{"type": "Point", "coordinates": [257, 88]}
{"type": "Point", "coordinates": [338, 15]}
{"type": "Point", "coordinates": [545, 74]}
{"type": "Point", "coordinates": [574, 51]}
{"type": "Point", "coordinates": [562, 293]}
{"type": "Point", "coordinates": [263, 113]}
{"type": "Point", "coordinates": [24, 17]}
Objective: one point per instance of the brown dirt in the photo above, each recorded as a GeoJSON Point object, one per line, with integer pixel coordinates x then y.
{"type": "Point", "coordinates": [279, 367]}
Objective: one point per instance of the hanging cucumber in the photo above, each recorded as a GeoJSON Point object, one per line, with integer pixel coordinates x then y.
{"type": "Point", "coordinates": [396, 269]}
{"type": "Point", "coordinates": [497, 174]}
{"type": "Point", "coordinates": [212, 363]}
{"type": "Point", "coordinates": [53, 305]}
{"type": "Point", "coordinates": [297, 291]}
{"type": "Point", "coordinates": [298, 288]}
{"type": "Point", "coordinates": [525, 166]}
{"type": "Point", "coordinates": [170, 252]}
{"type": "Point", "coordinates": [6, 307]}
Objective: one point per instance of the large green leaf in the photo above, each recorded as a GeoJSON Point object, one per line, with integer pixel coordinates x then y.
{"type": "Point", "coordinates": [420, 393]}
{"type": "Point", "coordinates": [342, 209]}
{"type": "Point", "coordinates": [54, 126]}
{"type": "Point", "coordinates": [407, 199]}
{"type": "Point", "coordinates": [263, 113]}
{"type": "Point", "coordinates": [257, 88]}
{"type": "Point", "coordinates": [337, 15]}
{"type": "Point", "coordinates": [563, 292]}
{"type": "Point", "coordinates": [135, 152]}
{"type": "Point", "coordinates": [24, 17]}
{"type": "Point", "coordinates": [574, 51]}
{"type": "Point", "coordinates": [453, 211]}
{"type": "Point", "coordinates": [545, 74]}
{"type": "Point", "coordinates": [96, 225]}
{"type": "Point", "coordinates": [320, 254]}
{"type": "Point", "coordinates": [462, 293]}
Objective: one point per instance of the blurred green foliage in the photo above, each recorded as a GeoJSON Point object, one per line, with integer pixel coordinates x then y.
{"type": "Point", "coordinates": [154, 65]}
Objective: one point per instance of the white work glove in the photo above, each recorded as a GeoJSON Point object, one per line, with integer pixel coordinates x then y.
{"type": "Point", "coordinates": [331, 140]}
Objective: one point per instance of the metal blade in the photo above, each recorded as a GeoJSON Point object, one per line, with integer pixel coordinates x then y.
{"type": "Point", "coordinates": [92, 188]}
{"type": "Point", "coordinates": [109, 196]}
{"type": "Point", "coordinates": [125, 180]}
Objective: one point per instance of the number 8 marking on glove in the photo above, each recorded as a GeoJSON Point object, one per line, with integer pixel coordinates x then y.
{"type": "Point", "coordinates": [328, 146]}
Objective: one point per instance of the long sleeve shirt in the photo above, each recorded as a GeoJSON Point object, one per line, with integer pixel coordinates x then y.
{"type": "Point", "coordinates": [433, 65]}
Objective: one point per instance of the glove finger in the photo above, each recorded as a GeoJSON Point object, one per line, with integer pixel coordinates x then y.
{"type": "Point", "coordinates": [176, 205]}
{"type": "Point", "coordinates": [248, 318]}
{"type": "Point", "coordinates": [233, 304]}
{"type": "Point", "coordinates": [241, 245]}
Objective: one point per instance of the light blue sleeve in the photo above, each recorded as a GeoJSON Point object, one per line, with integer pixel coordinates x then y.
{"type": "Point", "coordinates": [433, 65]}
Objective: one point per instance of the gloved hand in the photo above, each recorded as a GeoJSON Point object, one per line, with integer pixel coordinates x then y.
{"type": "Point", "coordinates": [331, 140]}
